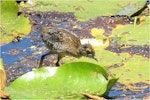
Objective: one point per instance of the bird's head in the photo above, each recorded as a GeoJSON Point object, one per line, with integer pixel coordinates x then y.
{"type": "Point", "coordinates": [88, 51]}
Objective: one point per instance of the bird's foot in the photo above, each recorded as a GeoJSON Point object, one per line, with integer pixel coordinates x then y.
{"type": "Point", "coordinates": [57, 64]}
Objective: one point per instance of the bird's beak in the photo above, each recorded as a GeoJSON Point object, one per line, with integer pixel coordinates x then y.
{"type": "Point", "coordinates": [95, 59]}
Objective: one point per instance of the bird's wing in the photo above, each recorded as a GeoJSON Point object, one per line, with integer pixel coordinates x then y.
{"type": "Point", "coordinates": [67, 42]}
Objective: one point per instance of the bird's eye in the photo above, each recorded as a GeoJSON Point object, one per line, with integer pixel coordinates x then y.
{"type": "Point", "coordinates": [49, 32]}
{"type": "Point", "coordinates": [84, 47]}
{"type": "Point", "coordinates": [88, 52]}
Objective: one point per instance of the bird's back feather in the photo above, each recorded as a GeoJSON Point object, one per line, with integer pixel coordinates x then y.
{"type": "Point", "coordinates": [61, 41]}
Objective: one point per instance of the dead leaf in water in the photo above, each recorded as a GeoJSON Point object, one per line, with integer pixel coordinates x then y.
{"type": "Point", "coordinates": [2, 81]}
{"type": "Point", "coordinates": [93, 97]}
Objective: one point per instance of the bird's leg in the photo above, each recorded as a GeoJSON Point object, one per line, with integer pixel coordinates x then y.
{"type": "Point", "coordinates": [58, 59]}
{"type": "Point", "coordinates": [42, 58]}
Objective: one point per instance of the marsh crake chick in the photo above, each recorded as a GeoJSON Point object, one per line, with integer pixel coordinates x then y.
{"type": "Point", "coordinates": [64, 43]}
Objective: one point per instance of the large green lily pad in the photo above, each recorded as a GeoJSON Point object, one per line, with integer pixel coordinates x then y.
{"type": "Point", "coordinates": [67, 81]}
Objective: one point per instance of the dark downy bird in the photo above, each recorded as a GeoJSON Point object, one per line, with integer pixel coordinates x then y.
{"type": "Point", "coordinates": [63, 43]}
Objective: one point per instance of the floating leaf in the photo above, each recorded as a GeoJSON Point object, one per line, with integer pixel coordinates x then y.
{"type": "Point", "coordinates": [137, 67]}
{"type": "Point", "coordinates": [66, 82]}
{"type": "Point", "coordinates": [12, 23]}
{"type": "Point", "coordinates": [97, 32]}
{"type": "Point", "coordinates": [91, 9]}
{"type": "Point", "coordinates": [133, 34]}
